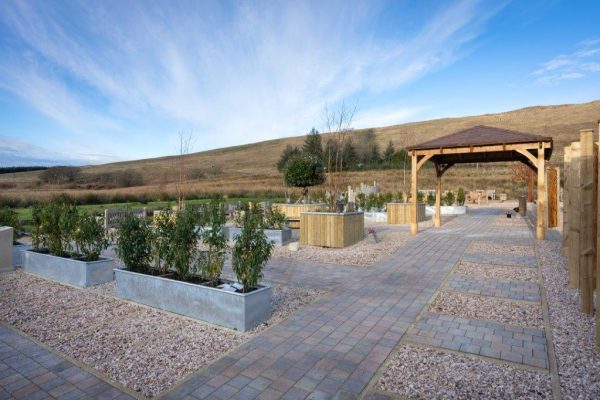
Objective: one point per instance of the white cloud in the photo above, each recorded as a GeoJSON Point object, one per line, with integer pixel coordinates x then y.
{"type": "Point", "coordinates": [571, 66]}
{"type": "Point", "coordinates": [234, 75]}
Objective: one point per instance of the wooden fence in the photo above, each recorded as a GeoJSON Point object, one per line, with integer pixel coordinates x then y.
{"type": "Point", "coordinates": [580, 221]}
{"type": "Point", "coordinates": [113, 217]}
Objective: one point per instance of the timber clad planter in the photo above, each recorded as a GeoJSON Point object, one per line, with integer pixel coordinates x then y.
{"type": "Point", "coordinates": [399, 213]}
{"type": "Point", "coordinates": [292, 211]}
{"type": "Point", "coordinates": [277, 236]}
{"type": "Point", "coordinates": [327, 229]}
{"type": "Point", "coordinates": [68, 270]}
{"type": "Point", "coordinates": [241, 311]}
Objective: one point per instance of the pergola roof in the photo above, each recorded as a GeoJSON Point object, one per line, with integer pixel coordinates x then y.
{"type": "Point", "coordinates": [483, 144]}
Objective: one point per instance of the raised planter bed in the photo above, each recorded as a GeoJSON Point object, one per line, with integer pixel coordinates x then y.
{"type": "Point", "coordinates": [292, 211]}
{"type": "Point", "coordinates": [328, 229]}
{"type": "Point", "coordinates": [447, 210]}
{"type": "Point", "coordinates": [241, 311]}
{"type": "Point", "coordinates": [68, 270]}
{"type": "Point", "coordinates": [17, 253]}
{"type": "Point", "coordinates": [399, 213]}
{"type": "Point", "coordinates": [279, 237]}
{"type": "Point", "coordinates": [6, 248]}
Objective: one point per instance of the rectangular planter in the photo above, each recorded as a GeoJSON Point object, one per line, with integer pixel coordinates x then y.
{"type": "Point", "coordinates": [327, 229]}
{"type": "Point", "coordinates": [292, 211]}
{"type": "Point", "coordinates": [399, 213]}
{"type": "Point", "coordinates": [278, 237]}
{"type": "Point", "coordinates": [67, 270]}
{"type": "Point", "coordinates": [241, 311]}
{"type": "Point", "coordinates": [6, 249]}
{"type": "Point", "coordinates": [17, 253]}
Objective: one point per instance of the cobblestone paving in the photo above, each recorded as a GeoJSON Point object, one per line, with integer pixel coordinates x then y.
{"type": "Point", "coordinates": [490, 339]}
{"type": "Point", "coordinates": [515, 290]}
{"type": "Point", "coordinates": [501, 259]}
{"type": "Point", "coordinates": [28, 371]}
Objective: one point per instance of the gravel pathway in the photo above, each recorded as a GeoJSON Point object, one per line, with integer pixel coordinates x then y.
{"type": "Point", "coordinates": [422, 372]}
{"type": "Point", "coordinates": [488, 309]}
{"type": "Point", "coordinates": [142, 348]}
{"type": "Point", "coordinates": [495, 248]}
{"type": "Point", "coordinates": [364, 253]}
{"type": "Point", "coordinates": [574, 335]}
{"type": "Point", "coordinates": [497, 271]}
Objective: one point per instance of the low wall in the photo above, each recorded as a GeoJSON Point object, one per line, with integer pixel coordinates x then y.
{"type": "Point", "coordinates": [331, 229]}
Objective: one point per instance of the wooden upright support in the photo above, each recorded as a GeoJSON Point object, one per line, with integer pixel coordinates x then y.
{"type": "Point", "coordinates": [552, 183]}
{"type": "Point", "coordinates": [541, 198]}
{"type": "Point", "coordinates": [574, 212]}
{"type": "Point", "coordinates": [587, 241]}
{"type": "Point", "coordinates": [414, 223]}
{"type": "Point", "coordinates": [438, 198]}
{"type": "Point", "coordinates": [566, 199]}
{"type": "Point", "coordinates": [597, 266]}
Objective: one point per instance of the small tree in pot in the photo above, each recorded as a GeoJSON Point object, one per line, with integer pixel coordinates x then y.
{"type": "Point", "coordinates": [251, 252]}
{"type": "Point", "coordinates": [90, 237]}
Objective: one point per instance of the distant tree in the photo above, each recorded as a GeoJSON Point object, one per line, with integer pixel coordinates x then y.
{"type": "Point", "coordinates": [373, 157]}
{"type": "Point", "coordinates": [388, 154]}
{"type": "Point", "coordinates": [312, 144]}
{"type": "Point", "coordinates": [400, 158]}
{"type": "Point", "coordinates": [349, 156]}
{"type": "Point", "coordinates": [184, 146]}
{"type": "Point", "coordinates": [60, 175]}
{"type": "Point", "coordinates": [304, 171]}
{"type": "Point", "coordinates": [289, 152]}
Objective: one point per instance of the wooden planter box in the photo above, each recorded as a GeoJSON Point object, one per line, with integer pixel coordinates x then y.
{"type": "Point", "coordinates": [327, 229]}
{"type": "Point", "coordinates": [241, 311]}
{"type": "Point", "coordinates": [292, 211]}
{"type": "Point", "coordinates": [68, 270]}
{"type": "Point", "coordinates": [399, 213]}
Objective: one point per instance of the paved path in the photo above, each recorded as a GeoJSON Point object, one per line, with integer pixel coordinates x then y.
{"type": "Point", "coordinates": [29, 371]}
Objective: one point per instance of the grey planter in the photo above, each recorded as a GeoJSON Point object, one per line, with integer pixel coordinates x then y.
{"type": "Point", "coordinates": [241, 311]}
{"type": "Point", "coordinates": [66, 270]}
{"type": "Point", "coordinates": [278, 237]}
{"type": "Point", "coordinates": [17, 253]}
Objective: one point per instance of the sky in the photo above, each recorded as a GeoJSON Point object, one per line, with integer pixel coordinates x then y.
{"type": "Point", "coordinates": [87, 82]}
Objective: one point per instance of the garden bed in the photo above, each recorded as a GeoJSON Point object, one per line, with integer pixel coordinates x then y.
{"type": "Point", "coordinates": [241, 311]}
{"type": "Point", "coordinates": [327, 229]}
{"type": "Point", "coordinates": [68, 270]}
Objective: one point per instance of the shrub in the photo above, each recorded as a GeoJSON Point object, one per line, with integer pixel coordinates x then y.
{"type": "Point", "coordinates": [54, 226]}
{"type": "Point", "coordinates": [361, 200]}
{"type": "Point", "coordinates": [449, 198]}
{"type": "Point", "coordinates": [430, 199]}
{"type": "Point", "coordinates": [420, 196]}
{"type": "Point", "coordinates": [460, 197]}
{"type": "Point", "coordinates": [212, 261]}
{"type": "Point", "coordinates": [90, 237]}
{"type": "Point", "coordinates": [164, 226]}
{"type": "Point", "coordinates": [400, 197]}
{"type": "Point", "coordinates": [59, 175]}
{"type": "Point", "coordinates": [182, 246]}
{"type": "Point", "coordinates": [273, 218]}
{"type": "Point", "coordinates": [304, 171]}
{"type": "Point", "coordinates": [134, 243]}
{"type": "Point", "coordinates": [251, 253]}
{"type": "Point", "coordinates": [10, 218]}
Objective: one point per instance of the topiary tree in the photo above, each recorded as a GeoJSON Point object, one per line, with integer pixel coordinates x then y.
{"type": "Point", "coordinates": [304, 171]}
{"type": "Point", "coordinates": [449, 198]}
{"type": "Point", "coordinates": [460, 197]}
{"type": "Point", "coordinates": [430, 199]}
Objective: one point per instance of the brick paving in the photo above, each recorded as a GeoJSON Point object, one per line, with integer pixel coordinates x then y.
{"type": "Point", "coordinates": [514, 290]}
{"type": "Point", "coordinates": [28, 371]}
{"type": "Point", "coordinates": [501, 259]}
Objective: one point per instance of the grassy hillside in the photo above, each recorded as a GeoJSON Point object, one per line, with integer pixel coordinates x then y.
{"type": "Point", "coordinates": [251, 168]}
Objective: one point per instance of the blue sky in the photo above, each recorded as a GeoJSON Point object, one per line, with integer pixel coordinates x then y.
{"type": "Point", "coordinates": [97, 81]}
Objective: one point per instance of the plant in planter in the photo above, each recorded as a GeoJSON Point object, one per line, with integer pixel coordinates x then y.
{"type": "Point", "coordinates": [54, 226]}
{"type": "Point", "coordinates": [460, 197]}
{"type": "Point", "coordinates": [251, 253]}
{"type": "Point", "coordinates": [430, 199]}
{"type": "Point", "coordinates": [449, 198]}
{"type": "Point", "coordinates": [182, 249]}
{"type": "Point", "coordinates": [10, 218]}
{"type": "Point", "coordinates": [164, 226]}
{"type": "Point", "coordinates": [134, 243]}
{"type": "Point", "coordinates": [273, 219]}
{"type": "Point", "coordinates": [90, 237]}
{"type": "Point", "coordinates": [211, 261]}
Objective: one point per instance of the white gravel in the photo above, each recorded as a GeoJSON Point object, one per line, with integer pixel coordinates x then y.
{"type": "Point", "coordinates": [426, 373]}
{"type": "Point", "coordinates": [494, 248]}
{"type": "Point", "coordinates": [489, 309]}
{"type": "Point", "coordinates": [142, 348]}
{"type": "Point", "coordinates": [364, 253]}
{"type": "Point", "coordinates": [497, 271]}
{"type": "Point", "coordinates": [573, 332]}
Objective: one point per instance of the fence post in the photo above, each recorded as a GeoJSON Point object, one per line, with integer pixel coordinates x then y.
{"type": "Point", "coordinates": [597, 266]}
{"type": "Point", "coordinates": [586, 239]}
{"type": "Point", "coordinates": [566, 200]}
{"type": "Point", "coordinates": [574, 194]}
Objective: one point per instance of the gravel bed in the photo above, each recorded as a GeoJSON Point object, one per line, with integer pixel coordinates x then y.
{"type": "Point", "coordinates": [422, 372]}
{"type": "Point", "coordinates": [489, 309]}
{"type": "Point", "coordinates": [509, 273]}
{"type": "Point", "coordinates": [573, 332]}
{"type": "Point", "coordinates": [480, 246]}
{"type": "Point", "coordinates": [363, 253]}
{"type": "Point", "coordinates": [144, 349]}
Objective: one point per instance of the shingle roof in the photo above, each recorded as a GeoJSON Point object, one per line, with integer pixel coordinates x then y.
{"type": "Point", "coordinates": [480, 135]}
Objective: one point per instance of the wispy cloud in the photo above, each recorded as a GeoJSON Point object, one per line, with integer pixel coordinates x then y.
{"type": "Point", "coordinates": [580, 63]}
{"type": "Point", "coordinates": [233, 72]}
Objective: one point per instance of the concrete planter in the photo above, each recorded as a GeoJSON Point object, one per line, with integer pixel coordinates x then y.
{"type": "Point", "coordinates": [446, 210]}
{"type": "Point", "coordinates": [278, 237]}
{"type": "Point", "coordinates": [241, 311]}
{"type": "Point", "coordinates": [67, 270]}
{"type": "Point", "coordinates": [6, 249]}
{"type": "Point", "coordinates": [17, 253]}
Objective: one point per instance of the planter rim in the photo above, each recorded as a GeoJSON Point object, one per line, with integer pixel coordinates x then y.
{"type": "Point", "coordinates": [332, 213]}
{"type": "Point", "coordinates": [261, 288]}
{"type": "Point", "coordinates": [299, 204]}
{"type": "Point", "coordinates": [101, 260]}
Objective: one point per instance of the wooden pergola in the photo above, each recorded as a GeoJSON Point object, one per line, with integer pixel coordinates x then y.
{"type": "Point", "coordinates": [480, 144]}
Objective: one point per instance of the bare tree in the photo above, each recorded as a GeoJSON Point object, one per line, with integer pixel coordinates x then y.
{"type": "Point", "coordinates": [184, 146]}
{"type": "Point", "coordinates": [338, 123]}
{"type": "Point", "coordinates": [522, 173]}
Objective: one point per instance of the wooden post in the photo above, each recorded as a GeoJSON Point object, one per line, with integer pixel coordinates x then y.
{"type": "Point", "coordinates": [566, 200]}
{"type": "Point", "coordinates": [553, 192]}
{"type": "Point", "coordinates": [438, 198]}
{"type": "Point", "coordinates": [586, 240]}
{"type": "Point", "coordinates": [574, 194]}
{"type": "Point", "coordinates": [597, 258]}
{"type": "Point", "coordinates": [414, 222]}
{"type": "Point", "coordinates": [541, 198]}
{"type": "Point", "coordinates": [530, 185]}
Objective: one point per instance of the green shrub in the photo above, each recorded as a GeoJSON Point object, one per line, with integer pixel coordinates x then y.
{"type": "Point", "coordinates": [90, 237]}
{"type": "Point", "coordinates": [211, 261]}
{"type": "Point", "coordinates": [182, 249]}
{"type": "Point", "coordinates": [251, 252]}
{"type": "Point", "coordinates": [449, 198]}
{"type": "Point", "coordinates": [273, 218]}
{"type": "Point", "coordinates": [420, 196]}
{"type": "Point", "coordinates": [134, 243]}
{"type": "Point", "coordinates": [164, 227]}
{"type": "Point", "coordinates": [54, 226]}
{"type": "Point", "coordinates": [361, 201]}
{"type": "Point", "coordinates": [430, 199]}
{"type": "Point", "coordinates": [400, 197]}
{"type": "Point", "coordinates": [304, 171]}
{"type": "Point", "coordinates": [9, 217]}
{"type": "Point", "coordinates": [460, 197]}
